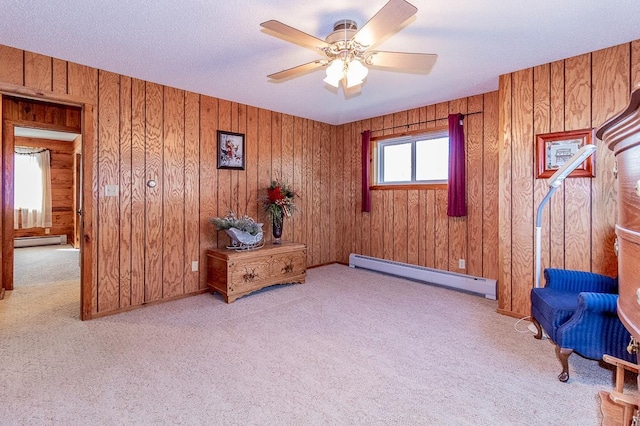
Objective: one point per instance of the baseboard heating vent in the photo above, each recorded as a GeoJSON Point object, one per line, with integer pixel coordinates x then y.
{"type": "Point", "coordinates": [481, 286]}
{"type": "Point", "coordinates": [39, 241]}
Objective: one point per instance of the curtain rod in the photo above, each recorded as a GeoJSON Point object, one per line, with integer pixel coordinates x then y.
{"type": "Point", "coordinates": [420, 122]}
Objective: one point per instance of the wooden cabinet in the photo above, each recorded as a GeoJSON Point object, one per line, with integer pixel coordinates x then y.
{"type": "Point", "coordinates": [622, 136]}
{"type": "Point", "coordinates": [234, 274]}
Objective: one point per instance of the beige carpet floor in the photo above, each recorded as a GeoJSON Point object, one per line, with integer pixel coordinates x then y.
{"type": "Point", "coordinates": [349, 347]}
{"type": "Point", "coordinates": [45, 264]}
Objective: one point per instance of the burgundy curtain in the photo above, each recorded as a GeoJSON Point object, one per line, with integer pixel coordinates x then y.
{"type": "Point", "coordinates": [457, 162]}
{"type": "Point", "coordinates": [366, 172]}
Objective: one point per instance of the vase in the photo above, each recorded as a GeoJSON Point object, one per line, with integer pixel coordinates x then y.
{"type": "Point", "coordinates": [277, 224]}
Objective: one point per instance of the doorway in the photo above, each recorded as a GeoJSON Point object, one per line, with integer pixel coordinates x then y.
{"type": "Point", "coordinates": [51, 118]}
{"type": "Point", "coordinates": [46, 247]}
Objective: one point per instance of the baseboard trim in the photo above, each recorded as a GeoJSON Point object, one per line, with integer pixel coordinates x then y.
{"type": "Point", "coordinates": [155, 302]}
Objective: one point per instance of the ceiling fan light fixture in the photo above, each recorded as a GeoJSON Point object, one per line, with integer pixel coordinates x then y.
{"type": "Point", "coordinates": [356, 73]}
{"type": "Point", "coordinates": [335, 72]}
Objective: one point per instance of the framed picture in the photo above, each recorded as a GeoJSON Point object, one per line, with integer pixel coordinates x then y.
{"type": "Point", "coordinates": [230, 150]}
{"type": "Point", "coordinates": [554, 149]}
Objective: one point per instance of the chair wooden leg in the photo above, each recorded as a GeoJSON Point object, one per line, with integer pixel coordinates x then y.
{"type": "Point", "coordinates": [563, 356]}
{"type": "Point", "coordinates": [538, 328]}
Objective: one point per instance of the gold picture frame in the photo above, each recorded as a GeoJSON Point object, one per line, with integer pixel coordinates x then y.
{"type": "Point", "coordinates": [554, 149]}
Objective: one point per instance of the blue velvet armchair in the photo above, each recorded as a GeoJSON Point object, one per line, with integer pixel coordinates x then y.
{"type": "Point", "coordinates": [577, 310]}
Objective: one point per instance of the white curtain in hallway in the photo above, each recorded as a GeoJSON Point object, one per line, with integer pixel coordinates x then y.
{"type": "Point", "coordinates": [32, 188]}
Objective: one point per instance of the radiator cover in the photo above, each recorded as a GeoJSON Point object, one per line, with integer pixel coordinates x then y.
{"type": "Point", "coordinates": [481, 286]}
{"type": "Point", "coordinates": [39, 241]}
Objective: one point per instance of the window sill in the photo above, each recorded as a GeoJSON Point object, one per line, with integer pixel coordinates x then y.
{"type": "Point", "coordinates": [420, 186]}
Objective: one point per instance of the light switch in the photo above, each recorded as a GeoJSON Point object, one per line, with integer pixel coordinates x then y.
{"type": "Point", "coordinates": [111, 190]}
{"type": "Point", "coordinates": [194, 266]}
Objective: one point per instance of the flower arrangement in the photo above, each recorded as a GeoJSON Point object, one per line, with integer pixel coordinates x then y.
{"type": "Point", "coordinates": [279, 201]}
{"type": "Point", "coordinates": [244, 223]}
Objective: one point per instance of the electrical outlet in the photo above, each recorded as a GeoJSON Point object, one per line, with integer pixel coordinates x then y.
{"type": "Point", "coordinates": [462, 264]}
{"type": "Point", "coordinates": [194, 266]}
{"type": "Point", "coordinates": [47, 230]}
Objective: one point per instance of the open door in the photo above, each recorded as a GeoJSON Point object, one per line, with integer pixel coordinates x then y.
{"type": "Point", "coordinates": [8, 145]}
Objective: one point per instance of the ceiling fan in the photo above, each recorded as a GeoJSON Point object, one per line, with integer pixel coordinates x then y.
{"type": "Point", "coordinates": [348, 49]}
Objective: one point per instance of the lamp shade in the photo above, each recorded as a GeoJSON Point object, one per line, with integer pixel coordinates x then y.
{"type": "Point", "coordinates": [356, 73]}
{"type": "Point", "coordinates": [335, 72]}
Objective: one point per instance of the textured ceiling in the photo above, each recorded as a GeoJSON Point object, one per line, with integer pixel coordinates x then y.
{"type": "Point", "coordinates": [218, 48]}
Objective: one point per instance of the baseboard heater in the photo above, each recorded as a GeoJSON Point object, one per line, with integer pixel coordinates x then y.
{"type": "Point", "coordinates": [39, 241]}
{"type": "Point", "coordinates": [468, 283]}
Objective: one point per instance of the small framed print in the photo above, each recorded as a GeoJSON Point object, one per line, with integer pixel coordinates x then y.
{"type": "Point", "coordinates": [554, 149]}
{"type": "Point", "coordinates": [230, 150]}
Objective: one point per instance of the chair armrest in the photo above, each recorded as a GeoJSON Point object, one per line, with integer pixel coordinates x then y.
{"type": "Point", "coordinates": [595, 329]}
{"type": "Point", "coordinates": [598, 302]}
{"type": "Point", "coordinates": [579, 281]}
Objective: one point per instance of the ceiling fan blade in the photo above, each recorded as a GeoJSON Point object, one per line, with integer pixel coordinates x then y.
{"type": "Point", "coordinates": [299, 70]}
{"type": "Point", "coordinates": [416, 62]}
{"type": "Point", "coordinates": [390, 17]}
{"type": "Point", "coordinates": [293, 35]}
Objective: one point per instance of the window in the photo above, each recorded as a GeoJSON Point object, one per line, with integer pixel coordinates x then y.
{"type": "Point", "coordinates": [416, 159]}
{"type": "Point", "coordinates": [32, 188]}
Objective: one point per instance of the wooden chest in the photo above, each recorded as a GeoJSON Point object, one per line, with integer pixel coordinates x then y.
{"type": "Point", "coordinates": [622, 136]}
{"type": "Point", "coordinates": [234, 274]}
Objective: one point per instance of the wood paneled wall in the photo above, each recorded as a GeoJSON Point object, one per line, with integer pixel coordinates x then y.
{"type": "Point", "coordinates": [146, 239]}
{"type": "Point", "coordinates": [412, 226]}
{"type": "Point", "coordinates": [62, 188]}
{"type": "Point", "coordinates": [578, 223]}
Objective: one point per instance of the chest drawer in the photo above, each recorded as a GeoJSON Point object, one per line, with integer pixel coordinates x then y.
{"type": "Point", "coordinates": [628, 187]}
{"type": "Point", "coordinates": [629, 279]}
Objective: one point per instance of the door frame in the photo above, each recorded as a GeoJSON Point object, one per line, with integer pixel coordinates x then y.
{"type": "Point", "coordinates": [89, 197]}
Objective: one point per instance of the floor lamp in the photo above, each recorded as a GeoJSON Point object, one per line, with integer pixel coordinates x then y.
{"type": "Point", "coordinates": [554, 183]}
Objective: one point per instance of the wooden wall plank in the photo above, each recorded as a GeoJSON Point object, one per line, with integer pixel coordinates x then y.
{"type": "Point", "coordinates": [556, 204]}
{"type": "Point", "coordinates": [326, 217]}
{"type": "Point", "coordinates": [254, 209]}
{"type": "Point", "coordinates": [308, 191]}
{"type": "Point", "coordinates": [125, 190]}
{"type": "Point", "coordinates": [138, 190]}
{"type": "Point", "coordinates": [173, 259]}
{"type": "Point", "coordinates": [264, 161]}
{"type": "Point", "coordinates": [541, 123]}
{"type": "Point", "coordinates": [475, 196]}
{"type": "Point", "coordinates": [505, 212]}
{"type": "Point", "coordinates": [208, 180]}
{"type": "Point", "coordinates": [38, 71]}
{"type": "Point", "coordinates": [578, 190]}
{"type": "Point", "coordinates": [59, 79]}
{"type": "Point", "coordinates": [610, 91]}
{"type": "Point", "coordinates": [108, 206]}
{"type": "Point", "coordinates": [522, 187]}
{"type": "Point", "coordinates": [191, 191]}
{"type": "Point", "coordinates": [441, 235]}
{"type": "Point", "coordinates": [154, 233]}
{"type": "Point", "coordinates": [337, 208]}
{"type": "Point", "coordinates": [413, 226]}
{"type": "Point", "coordinates": [83, 81]}
{"type": "Point", "coordinates": [11, 65]}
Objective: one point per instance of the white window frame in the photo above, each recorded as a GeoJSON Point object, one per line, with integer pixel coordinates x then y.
{"type": "Point", "coordinates": [379, 156]}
